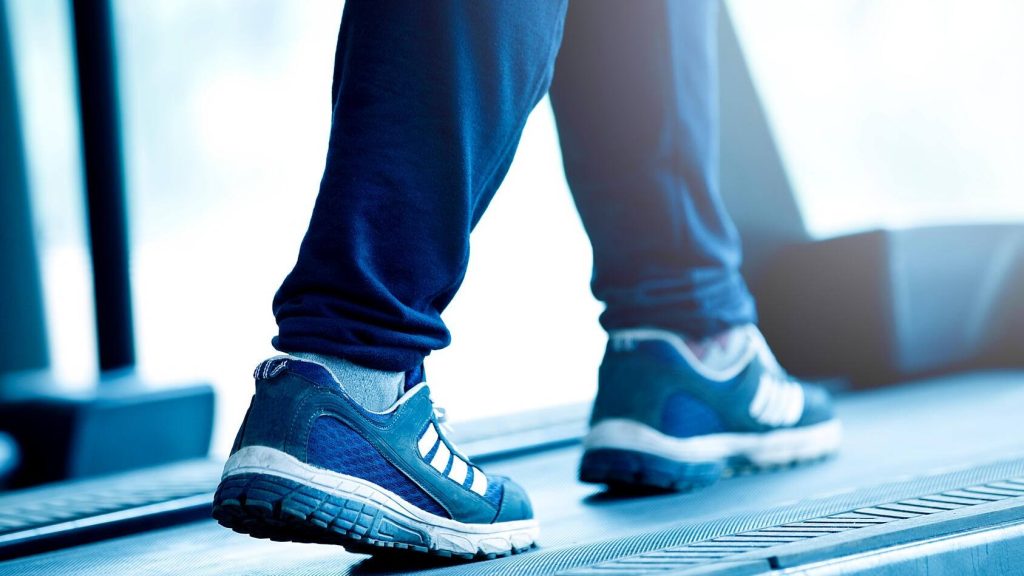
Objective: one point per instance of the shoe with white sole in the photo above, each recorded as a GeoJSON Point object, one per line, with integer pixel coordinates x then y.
{"type": "Point", "coordinates": [310, 465]}
{"type": "Point", "coordinates": [664, 420]}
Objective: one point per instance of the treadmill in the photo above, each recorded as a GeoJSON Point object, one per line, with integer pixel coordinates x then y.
{"type": "Point", "coordinates": [925, 348]}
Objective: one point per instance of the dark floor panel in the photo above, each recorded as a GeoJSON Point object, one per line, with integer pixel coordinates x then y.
{"type": "Point", "coordinates": [901, 443]}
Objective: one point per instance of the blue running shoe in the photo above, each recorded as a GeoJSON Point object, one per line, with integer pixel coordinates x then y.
{"type": "Point", "coordinates": [663, 420]}
{"type": "Point", "coordinates": [311, 465]}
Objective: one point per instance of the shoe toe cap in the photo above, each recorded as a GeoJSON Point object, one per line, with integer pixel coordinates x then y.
{"type": "Point", "coordinates": [817, 405]}
{"type": "Point", "coordinates": [515, 504]}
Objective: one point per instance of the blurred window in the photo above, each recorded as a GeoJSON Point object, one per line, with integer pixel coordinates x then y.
{"type": "Point", "coordinates": [890, 114]}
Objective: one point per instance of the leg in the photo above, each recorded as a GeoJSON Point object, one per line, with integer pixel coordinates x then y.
{"type": "Point", "coordinates": [429, 103]}
{"type": "Point", "coordinates": [636, 100]}
{"type": "Point", "coordinates": [687, 387]}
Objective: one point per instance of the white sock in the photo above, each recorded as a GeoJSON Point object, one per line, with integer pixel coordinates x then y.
{"type": "Point", "coordinates": [375, 390]}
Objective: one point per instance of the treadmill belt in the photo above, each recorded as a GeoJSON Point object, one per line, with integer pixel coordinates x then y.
{"type": "Point", "coordinates": [914, 455]}
{"type": "Point", "coordinates": [67, 513]}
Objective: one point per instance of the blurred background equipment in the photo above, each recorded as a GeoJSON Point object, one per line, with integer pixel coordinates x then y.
{"type": "Point", "coordinates": [902, 304]}
{"type": "Point", "coordinates": [119, 423]}
{"type": "Point", "coordinates": [8, 458]}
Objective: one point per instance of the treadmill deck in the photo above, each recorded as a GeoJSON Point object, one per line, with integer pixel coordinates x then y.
{"type": "Point", "coordinates": [903, 442]}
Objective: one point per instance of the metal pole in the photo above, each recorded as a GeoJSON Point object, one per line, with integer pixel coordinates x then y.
{"type": "Point", "coordinates": [23, 344]}
{"type": "Point", "coordinates": [104, 181]}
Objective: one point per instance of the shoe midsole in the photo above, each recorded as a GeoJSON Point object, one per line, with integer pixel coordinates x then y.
{"type": "Point", "coordinates": [266, 460]}
{"type": "Point", "coordinates": [775, 446]}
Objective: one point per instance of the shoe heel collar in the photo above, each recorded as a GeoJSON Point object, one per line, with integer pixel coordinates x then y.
{"type": "Point", "coordinates": [277, 366]}
{"type": "Point", "coordinates": [628, 339]}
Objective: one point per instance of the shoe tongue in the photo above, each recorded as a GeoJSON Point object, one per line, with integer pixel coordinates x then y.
{"type": "Point", "coordinates": [415, 376]}
{"type": "Point", "coordinates": [413, 393]}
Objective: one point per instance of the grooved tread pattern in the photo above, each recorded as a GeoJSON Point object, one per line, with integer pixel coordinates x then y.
{"type": "Point", "coordinates": [274, 508]}
{"type": "Point", "coordinates": [50, 505]}
{"type": "Point", "coordinates": [726, 547]}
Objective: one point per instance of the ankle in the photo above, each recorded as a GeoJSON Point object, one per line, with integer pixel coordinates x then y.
{"type": "Point", "coordinates": [374, 390]}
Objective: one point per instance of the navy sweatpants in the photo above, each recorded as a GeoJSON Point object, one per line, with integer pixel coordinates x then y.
{"type": "Point", "coordinates": [430, 99]}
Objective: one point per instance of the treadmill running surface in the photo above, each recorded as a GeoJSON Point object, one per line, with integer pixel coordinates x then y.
{"type": "Point", "coordinates": [900, 443]}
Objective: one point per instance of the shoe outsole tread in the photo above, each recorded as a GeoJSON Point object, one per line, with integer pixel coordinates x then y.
{"type": "Point", "coordinates": [627, 470]}
{"type": "Point", "coordinates": [630, 471]}
{"type": "Point", "coordinates": [270, 507]}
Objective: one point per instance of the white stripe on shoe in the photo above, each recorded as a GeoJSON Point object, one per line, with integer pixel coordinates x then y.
{"type": "Point", "coordinates": [459, 470]}
{"type": "Point", "coordinates": [441, 457]}
{"type": "Point", "coordinates": [445, 459]}
{"type": "Point", "coordinates": [479, 482]}
{"type": "Point", "coordinates": [777, 402]}
{"type": "Point", "coordinates": [427, 440]}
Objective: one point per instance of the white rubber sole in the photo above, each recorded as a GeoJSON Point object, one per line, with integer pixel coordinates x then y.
{"type": "Point", "coordinates": [441, 535]}
{"type": "Point", "coordinates": [776, 447]}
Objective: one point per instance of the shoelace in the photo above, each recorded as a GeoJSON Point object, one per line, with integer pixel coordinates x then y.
{"type": "Point", "coordinates": [441, 415]}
